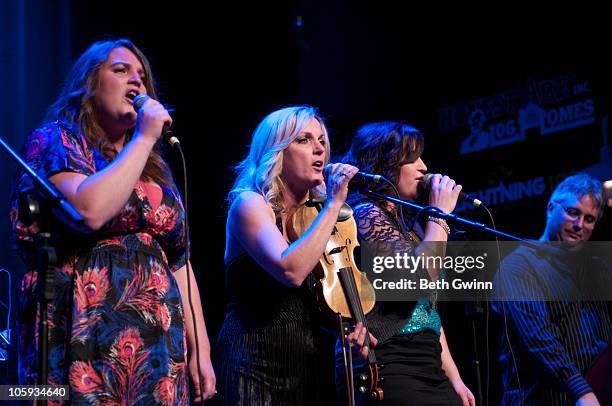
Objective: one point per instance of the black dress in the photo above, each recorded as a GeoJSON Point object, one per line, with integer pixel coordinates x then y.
{"type": "Point", "coordinates": [270, 350]}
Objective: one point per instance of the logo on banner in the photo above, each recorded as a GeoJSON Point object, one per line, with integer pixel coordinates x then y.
{"type": "Point", "coordinates": [544, 107]}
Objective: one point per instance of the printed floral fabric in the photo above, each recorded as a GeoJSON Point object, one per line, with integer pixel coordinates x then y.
{"type": "Point", "coordinates": [116, 323]}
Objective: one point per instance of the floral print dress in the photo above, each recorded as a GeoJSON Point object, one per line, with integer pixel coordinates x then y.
{"type": "Point", "coordinates": [116, 323]}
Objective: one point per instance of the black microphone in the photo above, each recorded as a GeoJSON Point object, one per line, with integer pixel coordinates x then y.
{"type": "Point", "coordinates": [363, 180]}
{"type": "Point", "coordinates": [167, 134]}
{"type": "Point", "coordinates": [368, 176]}
{"type": "Point", "coordinates": [428, 178]}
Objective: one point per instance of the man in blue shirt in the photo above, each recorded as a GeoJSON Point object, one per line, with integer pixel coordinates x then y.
{"type": "Point", "coordinates": [550, 339]}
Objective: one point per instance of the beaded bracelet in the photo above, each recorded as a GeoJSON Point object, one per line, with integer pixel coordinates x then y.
{"type": "Point", "coordinates": [441, 222]}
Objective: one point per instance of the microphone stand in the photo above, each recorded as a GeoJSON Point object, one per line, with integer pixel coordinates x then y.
{"type": "Point", "coordinates": [473, 312]}
{"type": "Point", "coordinates": [30, 211]}
{"type": "Point", "coordinates": [450, 218]}
{"type": "Point", "coordinates": [58, 203]}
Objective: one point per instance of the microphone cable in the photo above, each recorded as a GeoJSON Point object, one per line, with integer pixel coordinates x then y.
{"type": "Point", "coordinates": [174, 142]}
{"type": "Point", "coordinates": [189, 273]}
{"type": "Point", "coordinates": [506, 335]}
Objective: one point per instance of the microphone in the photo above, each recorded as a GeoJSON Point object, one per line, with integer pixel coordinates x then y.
{"type": "Point", "coordinates": [428, 178]}
{"type": "Point", "coordinates": [167, 134]}
{"type": "Point", "coordinates": [362, 180]}
{"type": "Point", "coordinates": [367, 176]}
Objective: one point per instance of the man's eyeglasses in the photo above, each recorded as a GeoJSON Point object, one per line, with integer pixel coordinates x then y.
{"type": "Point", "coordinates": [574, 214]}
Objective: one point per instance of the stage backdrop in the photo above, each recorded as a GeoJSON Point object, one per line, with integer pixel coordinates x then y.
{"type": "Point", "coordinates": [509, 103]}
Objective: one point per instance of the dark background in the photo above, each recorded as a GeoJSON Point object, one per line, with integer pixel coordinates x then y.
{"type": "Point", "coordinates": [223, 69]}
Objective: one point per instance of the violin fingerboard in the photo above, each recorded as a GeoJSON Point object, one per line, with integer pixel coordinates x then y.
{"type": "Point", "coordinates": [349, 286]}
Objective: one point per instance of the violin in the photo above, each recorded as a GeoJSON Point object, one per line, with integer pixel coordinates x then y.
{"type": "Point", "coordinates": [342, 288]}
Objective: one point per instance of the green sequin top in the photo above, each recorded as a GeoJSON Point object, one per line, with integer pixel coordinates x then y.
{"type": "Point", "coordinates": [424, 317]}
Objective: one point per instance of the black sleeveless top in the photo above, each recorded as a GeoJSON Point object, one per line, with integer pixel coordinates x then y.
{"type": "Point", "coordinates": [270, 350]}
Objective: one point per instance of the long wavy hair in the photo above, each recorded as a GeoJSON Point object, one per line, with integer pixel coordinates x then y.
{"type": "Point", "coordinates": [382, 148]}
{"type": "Point", "coordinates": [75, 105]}
{"type": "Point", "coordinates": [261, 170]}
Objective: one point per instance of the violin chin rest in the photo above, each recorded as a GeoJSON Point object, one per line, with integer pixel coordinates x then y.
{"type": "Point", "coordinates": [346, 212]}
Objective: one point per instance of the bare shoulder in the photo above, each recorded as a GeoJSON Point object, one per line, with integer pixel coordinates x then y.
{"type": "Point", "coordinates": [250, 206]}
{"type": "Point", "coordinates": [251, 226]}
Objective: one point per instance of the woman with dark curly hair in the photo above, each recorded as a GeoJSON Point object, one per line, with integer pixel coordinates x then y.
{"type": "Point", "coordinates": [418, 367]}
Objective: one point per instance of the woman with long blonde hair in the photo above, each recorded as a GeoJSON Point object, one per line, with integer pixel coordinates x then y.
{"type": "Point", "coordinates": [268, 349]}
